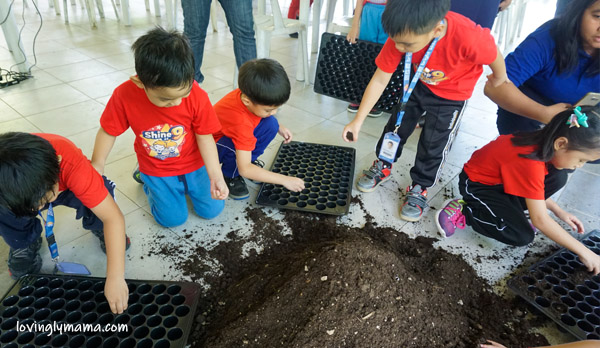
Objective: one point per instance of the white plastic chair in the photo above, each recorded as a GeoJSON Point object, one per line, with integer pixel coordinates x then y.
{"type": "Point", "coordinates": [341, 25]}
{"type": "Point", "coordinates": [316, 18]}
{"type": "Point", "coordinates": [509, 24]}
{"type": "Point", "coordinates": [89, 7]}
{"type": "Point", "coordinates": [267, 25]}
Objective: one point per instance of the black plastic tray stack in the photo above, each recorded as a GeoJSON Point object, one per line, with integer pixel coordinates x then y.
{"type": "Point", "coordinates": [552, 287]}
{"type": "Point", "coordinates": [327, 171]}
{"type": "Point", "coordinates": [160, 313]}
{"type": "Point", "coordinates": [344, 71]}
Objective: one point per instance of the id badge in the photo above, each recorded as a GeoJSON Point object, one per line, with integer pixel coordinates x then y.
{"type": "Point", "coordinates": [71, 268]}
{"type": "Point", "coordinates": [390, 144]}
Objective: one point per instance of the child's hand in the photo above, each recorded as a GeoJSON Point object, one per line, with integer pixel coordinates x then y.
{"type": "Point", "coordinates": [572, 221]}
{"type": "Point", "coordinates": [219, 189]}
{"type": "Point", "coordinates": [491, 344]}
{"type": "Point", "coordinates": [496, 81]}
{"type": "Point", "coordinates": [116, 293]}
{"type": "Point", "coordinates": [353, 34]}
{"type": "Point", "coordinates": [294, 184]}
{"type": "Point", "coordinates": [350, 132]}
{"type": "Point", "coordinates": [591, 260]}
{"type": "Point", "coordinates": [285, 133]}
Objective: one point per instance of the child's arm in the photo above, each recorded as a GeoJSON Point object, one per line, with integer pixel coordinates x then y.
{"type": "Point", "coordinates": [208, 150]}
{"type": "Point", "coordinates": [252, 172]}
{"type": "Point", "coordinates": [581, 344]}
{"type": "Point", "coordinates": [355, 29]}
{"type": "Point", "coordinates": [498, 76]}
{"type": "Point", "coordinates": [569, 218]}
{"type": "Point", "coordinates": [374, 90]}
{"type": "Point", "coordinates": [102, 146]}
{"type": "Point", "coordinates": [542, 220]}
{"type": "Point", "coordinates": [115, 289]}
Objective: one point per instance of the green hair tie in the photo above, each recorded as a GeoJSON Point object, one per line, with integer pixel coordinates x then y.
{"type": "Point", "coordinates": [578, 118]}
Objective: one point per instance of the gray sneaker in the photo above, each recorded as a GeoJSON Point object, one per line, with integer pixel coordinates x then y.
{"type": "Point", "coordinates": [374, 176]}
{"type": "Point", "coordinates": [415, 203]}
{"type": "Point", "coordinates": [237, 188]}
{"type": "Point", "coordinates": [25, 260]}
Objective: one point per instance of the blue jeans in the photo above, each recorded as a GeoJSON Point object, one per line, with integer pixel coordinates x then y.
{"type": "Point", "coordinates": [264, 133]}
{"type": "Point", "coordinates": [166, 196]}
{"type": "Point", "coordinates": [196, 14]}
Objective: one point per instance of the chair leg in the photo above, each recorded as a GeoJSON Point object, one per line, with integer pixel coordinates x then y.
{"type": "Point", "coordinates": [66, 11]}
{"type": "Point", "coordinates": [263, 43]}
{"type": "Point", "coordinates": [147, 3]}
{"type": "Point", "coordinates": [100, 7]}
{"type": "Point", "coordinates": [89, 5]}
{"type": "Point", "coordinates": [125, 12]}
{"type": "Point", "coordinates": [57, 7]}
{"type": "Point", "coordinates": [213, 16]}
{"type": "Point", "coordinates": [169, 14]}
{"type": "Point", "coordinates": [157, 8]}
{"type": "Point", "coordinates": [114, 5]}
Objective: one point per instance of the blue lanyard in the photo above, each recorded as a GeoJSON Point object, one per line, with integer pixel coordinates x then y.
{"type": "Point", "coordinates": [49, 226]}
{"type": "Point", "coordinates": [408, 88]}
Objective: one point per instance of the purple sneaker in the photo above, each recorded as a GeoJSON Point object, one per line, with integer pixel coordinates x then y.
{"type": "Point", "coordinates": [449, 218]}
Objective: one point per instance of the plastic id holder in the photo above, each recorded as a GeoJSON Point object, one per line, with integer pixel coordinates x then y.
{"type": "Point", "coordinates": [389, 146]}
{"type": "Point", "coordinates": [71, 268]}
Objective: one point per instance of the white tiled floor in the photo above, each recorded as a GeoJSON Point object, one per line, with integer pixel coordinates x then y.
{"type": "Point", "coordinates": [78, 67]}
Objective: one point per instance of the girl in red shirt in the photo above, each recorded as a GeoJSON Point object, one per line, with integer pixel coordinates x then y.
{"type": "Point", "coordinates": [506, 177]}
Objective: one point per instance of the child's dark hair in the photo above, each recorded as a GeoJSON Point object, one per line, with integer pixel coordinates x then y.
{"type": "Point", "coordinates": [580, 138]}
{"type": "Point", "coordinates": [29, 169]}
{"type": "Point", "coordinates": [163, 59]}
{"type": "Point", "coordinates": [264, 82]}
{"type": "Point", "coordinates": [566, 32]}
{"type": "Point", "coordinates": [413, 16]}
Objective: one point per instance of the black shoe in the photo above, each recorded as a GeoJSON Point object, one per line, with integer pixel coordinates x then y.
{"type": "Point", "coordinates": [136, 175]}
{"type": "Point", "coordinates": [294, 35]}
{"type": "Point", "coordinates": [25, 260]}
{"type": "Point", "coordinates": [237, 188]}
{"type": "Point", "coordinates": [100, 235]}
{"type": "Point", "coordinates": [259, 164]}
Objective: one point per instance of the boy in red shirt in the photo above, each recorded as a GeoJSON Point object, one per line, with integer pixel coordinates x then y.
{"type": "Point", "coordinates": [39, 171]}
{"type": "Point", "coordinates": [246, 115]}
{"type": "Point", "coordinates": [449, 52]}
{"type": "Point", "coordinates": [173, 121]}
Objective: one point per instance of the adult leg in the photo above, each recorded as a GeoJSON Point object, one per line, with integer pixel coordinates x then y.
{"type": "Point", "coordinates": [241, 24]}
{"type": "Point", "coordinates": [264, 133]}
{"type": "Point", "coordinates": [166, 196]}
{"type": "Point", "coordinates": [196, 14]}
{"type": "Point", "coordinates": [442, 120]}
{"type": "Point", "coordinates": [197, 184]}
{"type": "Point", "coordinates": [493, 213]}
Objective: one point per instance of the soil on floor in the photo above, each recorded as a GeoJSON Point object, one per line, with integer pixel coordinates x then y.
{"type": "Point", "coordinates": [330, 285]}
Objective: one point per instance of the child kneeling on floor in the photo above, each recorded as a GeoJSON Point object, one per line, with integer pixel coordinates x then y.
{"type": "Point", "coordinates": [38, 171]}
{"type": "Point", "coordinates": [508, 176]}
{"type": "Point", "coordinates": [173, 121]}
{"type": "Point", "coordinates": [249, 125]}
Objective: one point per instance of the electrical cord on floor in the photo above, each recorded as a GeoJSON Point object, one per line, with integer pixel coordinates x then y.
{"type": "Point", "coordinates": [10, 77]}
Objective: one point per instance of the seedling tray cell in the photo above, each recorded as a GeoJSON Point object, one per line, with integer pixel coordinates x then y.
{"type": "Point", "coordinates": [327, 171]}
{"type": "Point", "coordinates": [344, 71]}
{"type": "Point", "coordinates": [159, 315]}
{"type": "Point", "coordinates": [561, 287]}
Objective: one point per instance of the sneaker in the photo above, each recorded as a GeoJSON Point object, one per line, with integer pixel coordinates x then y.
{"type": "Point", "coordinates": [237, 188]}
{"type": "Point", "coordinates": [376, 175]}
{"type": "Point", "coordinates": [415, 203]}
{"type": "Point", "coordinates": [353, 107]}
{"type": "Point", "coordinates": [260, 164]}
{"type": "Point", "coordinates": [100, 235]}
{"type": "Point", "coordinates": [375, 113]}
{"type": "Point", "coordinates": [136, 174]}
{"type": "Point", "coordinates": [25, 260]}
{"type": "Point", "coordinates": [450, 217]}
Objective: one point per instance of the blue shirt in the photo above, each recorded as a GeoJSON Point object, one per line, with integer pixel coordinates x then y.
{"type": "Point", "coordinates": [532, 68]}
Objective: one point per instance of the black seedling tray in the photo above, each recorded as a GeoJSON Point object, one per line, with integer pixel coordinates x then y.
{"type": "Point", "coordinates": [561, 287]}
{"type": "Point", "coordinates": [160, 313]}
{"type": "Point", "coordinates": [344, 71]}
{"type": "Point", "coordinates": [327, 171]}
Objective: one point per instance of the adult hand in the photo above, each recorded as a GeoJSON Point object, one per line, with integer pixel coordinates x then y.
{"type": "Point", "coordinates": [553, 110]}
{"type": "Point", "coordinates": [496, 81]}
{"type": "Point", "coordinates": [116, 293]}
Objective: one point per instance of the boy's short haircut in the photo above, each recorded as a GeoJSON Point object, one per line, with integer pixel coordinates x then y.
{"type": "Point", "coordinates": [163, 59]}
{"type": "Point", "coordinates": [413, 16]}
{"type": "Point", "coordinates": [29, 169]}
{"type": "Point", "coordinates": [265, 82]}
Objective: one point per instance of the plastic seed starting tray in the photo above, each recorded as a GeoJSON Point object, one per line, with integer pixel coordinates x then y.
{"type": "Point", "coordinates": [344, 71]}
{"type": "Point", "coordinates": [327, 171]}
{"type": "Point", "coordinates": [561, 287]}
{"type": "Point", "coordinates": [160, 314]}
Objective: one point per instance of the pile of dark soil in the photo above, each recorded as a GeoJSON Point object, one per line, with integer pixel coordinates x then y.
{"type": "Point", "coordinates": [329, 285]}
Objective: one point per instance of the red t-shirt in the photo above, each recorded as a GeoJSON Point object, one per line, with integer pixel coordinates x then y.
{"type": "Point", "coordinates": [499, 163]}
{"type": "Point", "coordinates": [456, 62]}
{"type": "Point", "coordinates": [237, 121]}
{"type": "Point", "coordinates": [76, 172]}
{"type": "Point", "coordinates": [165, 141]}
